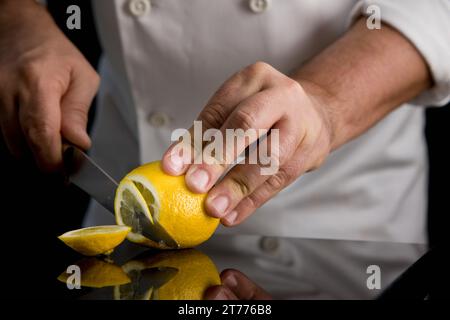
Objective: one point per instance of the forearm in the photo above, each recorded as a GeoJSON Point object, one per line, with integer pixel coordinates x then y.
{"type": "Point", "coordinates": [8, 6]}
{"type": "Point", "coordinates": [14, 14]}
{"type": "Point", "coordinates": [362, 77]}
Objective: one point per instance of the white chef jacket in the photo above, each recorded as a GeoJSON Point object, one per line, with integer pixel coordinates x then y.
{"type": "Point", "coordinates": [163, 59]}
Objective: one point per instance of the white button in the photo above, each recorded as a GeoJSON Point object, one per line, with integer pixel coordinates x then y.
{"type": "Point", "coordinates": [269, 244]}
{"type": "Point", "coordinates": [258, 6]}
{"type": "Point", "coordinates": [139, 7]}
{"type": "Point", "coordinates": [158, 119]}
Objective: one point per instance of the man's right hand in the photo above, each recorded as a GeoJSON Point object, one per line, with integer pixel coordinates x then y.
{"type": "Point", "coordinates": [46, 85]}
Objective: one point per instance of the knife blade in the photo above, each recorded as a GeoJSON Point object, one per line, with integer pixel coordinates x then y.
{"type": "Point", "coordinates": [85, 173]}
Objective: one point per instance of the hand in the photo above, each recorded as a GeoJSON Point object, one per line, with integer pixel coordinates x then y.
{"type": "Point", "coordinates": [236, 286]}
{"type": "Point", "coordinates": [46, 85]}
{"type": "Point", "coordinates": [258, 97]}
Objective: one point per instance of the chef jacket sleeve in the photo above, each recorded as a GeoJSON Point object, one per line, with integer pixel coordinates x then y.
{"type": "Point", "coordinates": [426, 23]}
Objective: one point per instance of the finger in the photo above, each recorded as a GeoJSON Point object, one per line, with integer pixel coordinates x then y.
{"type": "Point", "coordinates": [274, 184]}
{"type": "Point", "coordinates": [237, 88]}
{"type": "Point", "coordinates": [40, 120]}
{"type": "Point", "coordinates": [75, 106]}
{"type": "Point", "coordinates": [245, 178]}
{"type": "Point", "coordinates": [307, 156]}
{"type": "Point", "coordinates": [11, 131]}
{"type": "Point", "coordinates": [253, 118]}
{"type": "Point", "coordinates": [219, 293]}
{"type": "Point", "coordinates": [242, 287]}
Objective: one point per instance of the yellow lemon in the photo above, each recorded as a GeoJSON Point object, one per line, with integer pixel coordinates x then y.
{"type": "Point", "coordinates": [97, 240]}
{"type": "Point", "coordinates": [160, 209]}
{"type": "Point", "coordinates": [96, 273]}
{"type": "Point", "coordinates": [170, 275]}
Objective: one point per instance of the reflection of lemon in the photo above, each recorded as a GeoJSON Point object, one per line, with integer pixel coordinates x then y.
{"type": "Point", "coordinates": [95, 240]}
{"type": "Point", "coordinates": [162, 212]}
{"type": "Point", "coordinates": [96, 273]}
{"type": "Point", "coordinates": [170, 275]}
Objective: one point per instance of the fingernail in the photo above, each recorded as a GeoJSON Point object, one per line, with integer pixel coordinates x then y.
{"type": "Point", "coordinates": [230, 281]}
{"type": "Point", "coordinates": [229, 219]}
{"type": "Point", "coordinates": [176, 162]}
{"type": "Point", "coordinates": [221, 295]}
{"type": "Point", "coordinates": [219, 205]}
{"type": "Point", "coordinates": [199, 179]}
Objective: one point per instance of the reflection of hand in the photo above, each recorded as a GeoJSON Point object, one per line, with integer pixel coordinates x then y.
{"type": "Point", "coordinates": [236, 286]}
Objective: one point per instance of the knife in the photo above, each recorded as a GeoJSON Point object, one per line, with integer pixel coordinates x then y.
{"type": "Point", "coordinates": [85, 173]}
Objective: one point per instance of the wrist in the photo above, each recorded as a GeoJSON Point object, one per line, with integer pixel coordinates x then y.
{"type": "Point", "coordinates": [18, 5]}
{"type": "Point", "coordinates": [14, 11]}
{"type": "Point", "coordinates": [19, 19]}
{"type": "Point", "coordinates": [324, 102]}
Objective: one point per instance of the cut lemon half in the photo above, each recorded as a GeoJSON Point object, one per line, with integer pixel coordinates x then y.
{"type": "Point", "coordinates": [160, 210]}
{"type": "Point", "coordinates": [97, 240]}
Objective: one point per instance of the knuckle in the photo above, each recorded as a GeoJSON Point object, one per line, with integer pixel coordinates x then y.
{"type": "Point", "coordinates": [85, 71]}
{"type": "Point", "coordinates": [213, 115]}
{"type": "Point", "coordinates": [92, 75]}
{"type": "Point", "coordinates": [241, 183]}
{"type": "Point", "coordinates": [244, 119]}
{"type": "Point", "coordinates": [34, 76]}
{"type": "Point", "coordinates": [39, 132]}
{"type": "Point", "coordinates": [95, 79]}
{"type": "Point", "coordinates": [254, 201]}
{"type": "Point", "coordinates": [256, 68]}
{"type": "Point", "coordinates": [228, 88]}
{"type": "Point", "coordinates": [279, 179]}
{"type": "Point", "coordinates": [260, 66]}
{"type": "Point", "coordinates": [30, 70]}
{"type": "Point", "coordinates": [292, 85]}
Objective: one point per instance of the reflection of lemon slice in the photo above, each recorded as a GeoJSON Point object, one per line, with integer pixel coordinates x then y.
{"type": "Point", "coordinates": [96, 273]}
{"type": "Point", "coordinates": [95, 240]}
{"type": "Point", "coordinates": [170, 275]}
{"type": "Point", "coordinates": [173, 216]}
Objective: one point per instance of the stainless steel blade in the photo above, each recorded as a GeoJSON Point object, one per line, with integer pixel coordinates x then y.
{"type": "Point", "coordinates": [154, 231]}
{"type": "Point", "coordinates": [86, 174]}
{"type": "Point", "coordinates": [82, 171]}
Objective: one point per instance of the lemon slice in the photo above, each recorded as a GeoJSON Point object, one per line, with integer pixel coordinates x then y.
{"type": "Point", "coordinates": [97, 240]}
{"type": "Point", "coordinates": [160, 209]}
{"type": "Point", "coordinates": [96, 273]}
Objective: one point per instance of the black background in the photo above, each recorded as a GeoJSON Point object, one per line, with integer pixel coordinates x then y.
{"type": "Point", "coordinates": [37, 207]}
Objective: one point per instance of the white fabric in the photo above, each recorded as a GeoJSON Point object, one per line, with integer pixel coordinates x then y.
{"type": "Point", "coordinates": [171, 59]}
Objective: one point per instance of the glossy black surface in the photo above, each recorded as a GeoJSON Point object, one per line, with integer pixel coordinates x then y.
{"type": "Point", "coordinates": [285, 268]}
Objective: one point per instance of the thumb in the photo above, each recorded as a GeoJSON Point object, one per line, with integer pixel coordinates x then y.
{"type": "Point", "coordinates": [75, 106]}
